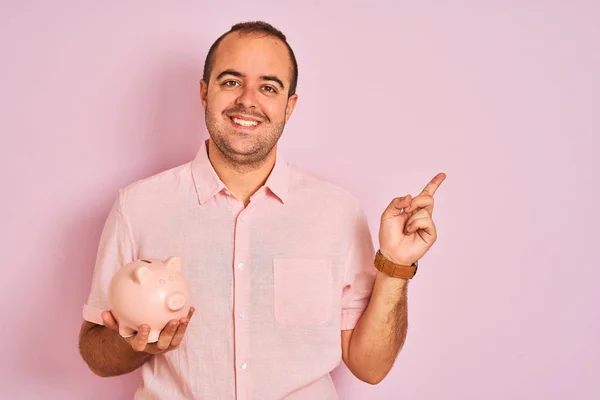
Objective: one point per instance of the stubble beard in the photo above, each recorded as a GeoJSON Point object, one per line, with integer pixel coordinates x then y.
{"type": "Point", "coordinates": [253, 156]}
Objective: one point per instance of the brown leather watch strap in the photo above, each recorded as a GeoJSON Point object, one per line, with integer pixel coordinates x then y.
{"type": "Point", "coordinates": [394, 270]}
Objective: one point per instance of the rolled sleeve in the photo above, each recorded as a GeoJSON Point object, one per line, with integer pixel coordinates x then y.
{"type": "Point", "coordinates": [115, 250]}
{"type": "Point", "coordinates": [359, 273]}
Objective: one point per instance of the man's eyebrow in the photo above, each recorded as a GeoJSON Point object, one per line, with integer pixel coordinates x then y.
{"type": "Point", "coordinates": [233, 72]}
{"type": "Point", "coordinates": [273, 79]}
{"type": "Point", "coordinates": [230, 72]}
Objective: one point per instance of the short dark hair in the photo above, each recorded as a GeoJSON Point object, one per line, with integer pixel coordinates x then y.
{"type": "Point", "coordinates": [253, 27]}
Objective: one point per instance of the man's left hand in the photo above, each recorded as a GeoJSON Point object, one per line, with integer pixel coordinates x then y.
{"type": "Point", "coordinates": [407, 230]}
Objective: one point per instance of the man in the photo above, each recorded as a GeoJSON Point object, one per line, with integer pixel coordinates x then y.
{"type": "Point", "coordinates": [283, 273]}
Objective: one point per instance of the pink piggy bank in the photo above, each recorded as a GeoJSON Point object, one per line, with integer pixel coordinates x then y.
{"type": "Point", "coordinates": [148, 292]}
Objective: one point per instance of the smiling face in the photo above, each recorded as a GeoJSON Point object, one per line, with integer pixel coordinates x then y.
{"type": "Point", "coordinates": [246, 101]}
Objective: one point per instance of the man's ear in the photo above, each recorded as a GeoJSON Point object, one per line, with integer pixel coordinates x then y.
{"type": "Point", "coordinates": [291, 105]}
{"type": "Point", "coordinates": [203, 92]}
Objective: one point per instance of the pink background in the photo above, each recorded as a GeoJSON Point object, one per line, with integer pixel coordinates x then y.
{"type": "Point", "coordinates": [502, 96]}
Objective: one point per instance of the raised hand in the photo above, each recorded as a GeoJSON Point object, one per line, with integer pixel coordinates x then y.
{"type": "Point", "coordinates": [407, 230]}
{"type": "Point", "coordinates": [170, 337]}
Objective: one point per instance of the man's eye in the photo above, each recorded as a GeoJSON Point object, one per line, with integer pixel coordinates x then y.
{"type": "Point", "coordinates": [230, 83]}
{"type": "Point", "coordinates": [270, 89]}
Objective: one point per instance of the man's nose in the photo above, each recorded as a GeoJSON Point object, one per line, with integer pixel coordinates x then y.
{"type": "Point", "coordinates": [247, 97]}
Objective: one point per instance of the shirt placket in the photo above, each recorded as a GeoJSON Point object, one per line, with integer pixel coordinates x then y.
{"type": "Point", "coordinates": [242, 271]}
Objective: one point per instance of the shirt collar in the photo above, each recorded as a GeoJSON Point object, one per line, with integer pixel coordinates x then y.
{"type": "Point", "coordinates": [208, 183]}
{"type": "Point", "coordinates": [278, 180]}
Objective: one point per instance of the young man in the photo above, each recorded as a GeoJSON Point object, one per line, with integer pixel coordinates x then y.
{"type": "Point", "coordinates": [285, 280]}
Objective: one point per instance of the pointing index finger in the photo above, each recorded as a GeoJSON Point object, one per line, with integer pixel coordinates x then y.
{"type": "Point", "coordinates": [434, 184]}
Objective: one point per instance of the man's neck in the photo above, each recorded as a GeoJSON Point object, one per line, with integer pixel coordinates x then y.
{"type": "Point", "coordinates": [243, 181]}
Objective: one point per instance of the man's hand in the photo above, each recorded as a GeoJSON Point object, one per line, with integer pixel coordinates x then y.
{"type": "Point", "coordinates": [169, 339]}
{"type": "Point", "coordinates": [407, 230]}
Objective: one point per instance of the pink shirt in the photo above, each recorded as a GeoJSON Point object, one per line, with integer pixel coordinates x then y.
{"type": "Point", "coordinates": [273, 284]}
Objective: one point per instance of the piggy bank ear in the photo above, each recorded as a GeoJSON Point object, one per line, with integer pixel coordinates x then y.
{"type": "Point", "coordinates": [141, 274]}
{"type": "Point", "coordinates": [174, 263]}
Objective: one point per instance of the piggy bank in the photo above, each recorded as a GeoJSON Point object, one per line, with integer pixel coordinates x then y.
{"type": "Point", "coordinates": [148, 292]}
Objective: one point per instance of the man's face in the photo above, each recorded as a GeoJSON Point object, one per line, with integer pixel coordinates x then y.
{"type": "Point", "coordinates": [246, 102]}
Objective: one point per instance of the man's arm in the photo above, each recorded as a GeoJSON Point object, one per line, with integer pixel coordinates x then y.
{"type": "Point", "coordinates": [106, 352]}
{"type": "Point", "coordinates": [371, 348]}
{"type": "Point", "coordinates": [406, 233]}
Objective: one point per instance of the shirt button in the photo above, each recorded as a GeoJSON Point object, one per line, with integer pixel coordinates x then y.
{"type": "Point", "coordinates": [241, 265]}
{"type": "Point", "coordinates": [243, 365]}
{"type": "Point", "coordinates": [241, 315]}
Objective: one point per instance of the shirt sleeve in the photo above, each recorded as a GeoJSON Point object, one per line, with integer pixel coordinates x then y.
{"type": "Point", "coordinates": [115, 250]}
{"type": "Point", "coordinates": [359, 273]}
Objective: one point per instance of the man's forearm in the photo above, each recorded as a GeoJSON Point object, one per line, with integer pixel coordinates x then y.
{"type": "Point", "coordinates": [106, 353]}
{"type": "Point", "coordinates": [381, 331]}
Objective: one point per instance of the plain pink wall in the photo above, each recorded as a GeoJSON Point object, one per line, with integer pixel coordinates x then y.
{"type": "Point", "coordinates": [502, 96]}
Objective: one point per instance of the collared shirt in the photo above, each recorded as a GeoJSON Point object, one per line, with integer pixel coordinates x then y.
{"type": "Point", "coordinates": [273, 284]}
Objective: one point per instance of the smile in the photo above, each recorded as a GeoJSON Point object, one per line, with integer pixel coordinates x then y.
{"type": "Point", "coordinates": [244, 122]}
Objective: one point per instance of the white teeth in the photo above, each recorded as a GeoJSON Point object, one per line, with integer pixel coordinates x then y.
{"type": "Point", "coordinates": [243, 122]}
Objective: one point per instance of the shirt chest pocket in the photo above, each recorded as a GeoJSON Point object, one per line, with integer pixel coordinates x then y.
{"type": "Point", "coordinates": [302, 291]}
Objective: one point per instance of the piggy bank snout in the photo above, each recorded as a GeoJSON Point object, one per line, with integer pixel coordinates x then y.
{"type": "Point", "coordinates": [176, 301]}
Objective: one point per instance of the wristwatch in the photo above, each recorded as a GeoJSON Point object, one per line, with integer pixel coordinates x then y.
{"type": "Point", "coordinates": [395, 270]}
